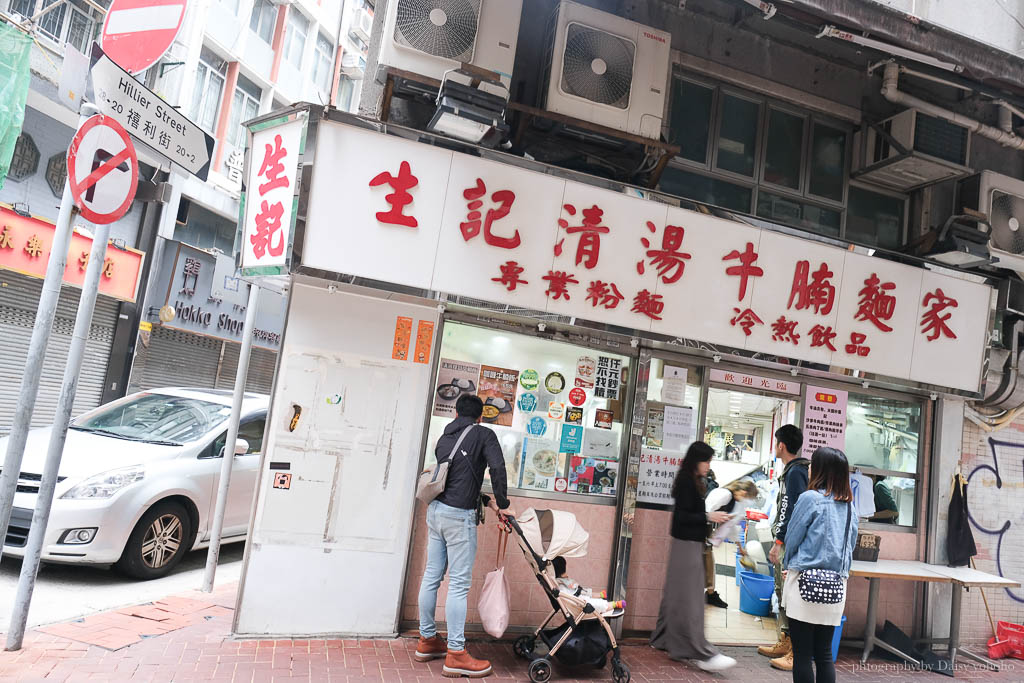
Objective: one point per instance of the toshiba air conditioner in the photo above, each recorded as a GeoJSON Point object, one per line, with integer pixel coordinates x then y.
{"type": "Point", "coordinates": [430, 37]}
{"type": "Point", "coordinates": [608, 70]}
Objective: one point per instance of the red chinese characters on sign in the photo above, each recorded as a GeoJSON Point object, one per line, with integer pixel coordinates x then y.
{"type": "Point", "coordinates": [933, 323]}
{"type": "Point", "coordinates": [669, 261]}
{"type": "Point", "coordinates": [745, 319]}
{"type": "Point", "coordinates": [876, 305]}
{"type": "Point", "coordinates": [268, 237]}
{"type": "Point", "coordinates": [604, 294]}
{"type": "Point", "coordinates": [785, 330]}
{"type": "Point", "coordinates": [558, 284]}
{"type": "Point", "coordinates": [648, 304]}
{"type": "Point", "coordinates": [746, 269]}
{"type": "Point", "coordinates": [822, 336]}
{"type": "Point", "coordinates": [400, 198]}
{"type": "Point", "coordinates": [503, 200]}
{"type": "Point", "coordinates": [812, 290]}
{"type": "Point", "coordinates": [510, 272]}
{"type": "Point", "coordinates": [856, 346]}
{"type": "Point", "coordinates": [589, 248]}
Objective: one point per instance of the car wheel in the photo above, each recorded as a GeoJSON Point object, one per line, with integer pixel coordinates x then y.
{"type": "Point", "coordinates": [157, 543]}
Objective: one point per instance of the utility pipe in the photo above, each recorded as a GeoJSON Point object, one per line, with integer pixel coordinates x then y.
{"type": "Point", "coordinates": [892, 93]}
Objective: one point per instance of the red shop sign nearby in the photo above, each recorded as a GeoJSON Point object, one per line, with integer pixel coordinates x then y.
{"type": "Point", "coordinates": [25, 245]}
{"type": "Point", "coordinates": [402, 212]}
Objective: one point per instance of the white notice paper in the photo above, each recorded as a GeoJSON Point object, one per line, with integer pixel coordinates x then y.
{"type": "Point", "coordinates": [673, 388]}
{"type": "Point", "coordinates": [679, 428]}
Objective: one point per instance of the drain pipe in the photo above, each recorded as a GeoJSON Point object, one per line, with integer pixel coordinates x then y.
{"type": "Point", "coordinates": [891, 92]}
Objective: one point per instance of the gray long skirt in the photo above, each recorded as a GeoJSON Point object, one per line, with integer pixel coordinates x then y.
{"type": "Point", "coordinates": [680, 629]}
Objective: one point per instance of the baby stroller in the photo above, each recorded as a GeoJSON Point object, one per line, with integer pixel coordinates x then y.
{"type": "Point", "coordinates": [585, 638]}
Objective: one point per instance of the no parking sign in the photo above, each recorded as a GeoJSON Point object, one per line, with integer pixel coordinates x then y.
{"type": "Point", "coordinates": [103, 170]}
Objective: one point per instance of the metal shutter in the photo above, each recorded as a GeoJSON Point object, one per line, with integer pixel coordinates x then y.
{"type": "Point", "coordinates": [262, 364]}
{"type": "Point", "coordinates": [19, 299]}
{"type": "Point", "coordinates": [175, 359]}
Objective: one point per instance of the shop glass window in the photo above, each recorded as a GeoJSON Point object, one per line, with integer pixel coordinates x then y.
{"type": "Point", "coordinates": [529, 387]}
{"type": "Point", "coordinates": [793, 212]}
{"type": "Point", "coordinates": [690, 120]}
{"type": "Point", "coordinates": [705, 189]}
{"type": "Point", "coordinates": [295, 37]}
{"type": "Point", "coordinates": [875, 218]}
{"type": "Point", "coordinates": [741, 425]}
{"type": "Point", "coordinates": [209, 87]}
{"type": "Point", "coordinates": [324, 59]}
{"type": "Point", "coordinates": [262, 19]}
{"type": "Point", "coordinates": [882, 444]}
{"type": "Point", "coordinates": [737, 135]}
{"type": "Point", "coordinates": [783, 153]}
{"type": "Point", "coordinates": [245, 106]}
{"type": "Point", "coordinates": [828, 162]}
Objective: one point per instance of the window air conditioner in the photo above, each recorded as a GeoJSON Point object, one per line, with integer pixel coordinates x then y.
{"type": "Point", "coordinates": [608, 70]}
{"type": "Point", "coordinates": [353, 65]}
{"type": "Point", "coordinates": [916, 150]}
{"type": "Point", "coordinates": [362, 24]}
{"type": "Point", "coordinates": [430, 37]}
{"type": "Point", "coordinates": [1001, 199]}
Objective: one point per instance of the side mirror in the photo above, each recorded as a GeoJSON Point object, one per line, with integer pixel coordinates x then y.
{"type": "Point", "coordinates": [241, 447]}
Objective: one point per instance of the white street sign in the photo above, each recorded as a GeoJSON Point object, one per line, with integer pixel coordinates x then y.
{"type": "Point", "coordinates": [148, 118]}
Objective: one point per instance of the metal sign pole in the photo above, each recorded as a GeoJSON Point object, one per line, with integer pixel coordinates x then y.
{"type": "Point", "coordinates": [45, 312]}
{"type": "Point", "coordinates": [213, 553]}
{"type": "Point", "coordinates": [58, 435]}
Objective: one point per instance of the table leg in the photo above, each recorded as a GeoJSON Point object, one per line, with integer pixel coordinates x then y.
{"type": "Point", "coordinates": [869, 626]}
{"type": "Point", "coordinates": [954, 623]}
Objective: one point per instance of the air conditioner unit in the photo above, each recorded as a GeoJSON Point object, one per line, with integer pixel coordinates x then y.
{"type": "Point", "coordinates": [608, 70]}
{"type": "Point", "coordinates": [430, 37]}
{"type": "Point", "coordinates": [1001, 199]}
{"type": "Point", "coordinates": [362, 24]}
{"type": "Point", "coordinates": [916, 150]}
{"type": "Point", "coordinates": [353, 65]}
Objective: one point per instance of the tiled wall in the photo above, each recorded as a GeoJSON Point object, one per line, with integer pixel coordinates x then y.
{"type": "Point", "coordinates": [529, 606]}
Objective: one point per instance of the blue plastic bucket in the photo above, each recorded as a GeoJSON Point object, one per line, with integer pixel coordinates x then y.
{"type": "Point", "coordinates": [836, 637]}
{"type": "Point", "coordinates": [756, 593]}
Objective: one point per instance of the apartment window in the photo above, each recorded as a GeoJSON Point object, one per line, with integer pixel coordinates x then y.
{"type": "Point", "coordinates": [23, 7]}
{"type": "Point", "coordinates": [324, 60]}
{"type": "Point", "coordinates": [261, 22]}
{"type": "Point", "coordinates": [346, 91]}
{"type": "Point", "coordinates": [209, 88]}
{"type": "Point", "coordinates": [784, 147]}
{"type": "Point", "coordinates": [244, 106]}
{"type": "Point", "coordinates": [690, 122]}
{"type": "Point", "coordinates": [231, 5]}
{"type": "Point", "coordinates": [295, 37]}
{"type": "Point", "coordinates": [708, 190]}
{"type": "Point", "coordinates": [737, 135]}
{"type": "Point", "coordinates": [72, 22]}
{"type": "Point", "coordinates": [875, 218]}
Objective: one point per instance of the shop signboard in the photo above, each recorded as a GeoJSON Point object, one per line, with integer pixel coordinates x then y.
{"type": "Point", "coordinates": [657, 472]}
{"type": "Point", "coordinates": [824, 419]}
{"type": "Point", "coordinates": [754, 382]}
{"type": "Point", "coordinates": [186, 277]}
{"type": "Point", "coordinates": [434, 219]}
{"type": "Point", "coordinates": [25, 244]}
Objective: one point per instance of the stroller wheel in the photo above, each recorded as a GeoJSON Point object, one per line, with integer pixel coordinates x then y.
{"type": "Point", "coordinates": [524, 646]}
{"type": "Point", "coordinates": [540, 670]}
{"type": "Point", "coordinates": [620, 672]}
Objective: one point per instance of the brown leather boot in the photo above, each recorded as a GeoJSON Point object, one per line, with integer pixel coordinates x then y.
{"type": "Point", "coordinates": [783, 663]}
{"type": "Point", "coordinates": [780, 649]}
{"type": "Point", "coordinates": [459, 664]}
{"type": "Point", "coordinates": [430, 648]}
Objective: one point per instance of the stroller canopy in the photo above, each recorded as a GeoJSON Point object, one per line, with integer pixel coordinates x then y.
{"type": "Point", "coordinates": [553, 533]}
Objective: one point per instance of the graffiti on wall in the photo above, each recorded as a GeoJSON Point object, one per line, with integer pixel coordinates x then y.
{"type": "Point", "coordinates": [1004, 524]}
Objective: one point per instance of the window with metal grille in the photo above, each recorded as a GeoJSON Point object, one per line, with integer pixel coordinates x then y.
{"type": "Point", "coordinates": [25, 160]}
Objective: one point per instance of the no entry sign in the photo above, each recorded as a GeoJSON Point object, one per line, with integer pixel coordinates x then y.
{"type": "Point", "coordinates": [103, 169]}
{"type": "Point", "coordinates": [136, 33]}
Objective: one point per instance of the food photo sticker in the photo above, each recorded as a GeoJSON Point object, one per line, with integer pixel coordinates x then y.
{"type": "Point", "coordinates": [586, 370]}
{"type": "Point", "coordinates": [603, 419]}
{"type": "Point", "coordinates": [529, 380]}
{"type": "Point", "coordinates": [554, 383]}
{"type": "Point", "coordinates": [498, 392]}
{"type": "Point", "coordinates": [454, 378]}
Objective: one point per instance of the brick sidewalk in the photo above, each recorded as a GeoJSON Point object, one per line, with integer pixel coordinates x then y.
{"type": "Point", "coordinates": [187, 638]}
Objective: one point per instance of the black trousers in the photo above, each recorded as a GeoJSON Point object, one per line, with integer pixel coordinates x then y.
{"type": "Point", "coordinates": [812, 643]}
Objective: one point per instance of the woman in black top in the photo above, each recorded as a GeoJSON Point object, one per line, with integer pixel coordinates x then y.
{"type": "Point", "coordinates": [680, 629]}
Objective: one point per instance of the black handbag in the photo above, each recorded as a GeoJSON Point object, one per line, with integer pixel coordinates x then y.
{"type": "Point", "coordinates": [825, 586]}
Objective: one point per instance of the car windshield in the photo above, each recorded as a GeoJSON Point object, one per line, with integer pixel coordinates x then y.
{"type": "Point", "coordinates": [156, 418]}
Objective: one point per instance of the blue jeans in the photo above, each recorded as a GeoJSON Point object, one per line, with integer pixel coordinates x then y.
{"type": "Point", "coordinates": [451, 546]}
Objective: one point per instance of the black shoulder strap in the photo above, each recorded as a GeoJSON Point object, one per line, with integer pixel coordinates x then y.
{"type": "Point", "coordinates": [849, 527]}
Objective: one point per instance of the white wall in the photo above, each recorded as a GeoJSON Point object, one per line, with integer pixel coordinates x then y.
{"type": "Point", "coordinates": [327, 556]}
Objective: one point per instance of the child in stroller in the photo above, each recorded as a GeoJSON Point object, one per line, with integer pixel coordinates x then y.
{"type": "Point", "coordinates": [567, 586]}
{"type": "Point", "coordinates": [584, 638]}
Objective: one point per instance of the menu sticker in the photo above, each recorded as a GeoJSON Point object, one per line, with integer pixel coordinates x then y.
{"type": "Point", "coordinates": [529, 380]}
{"type": "Point", "coordinates": [586, 369]}
{"type": "Point", "coordinates": [574, 416]}
{"type": "Point", "coordinates": [454, 378]}
{"type": "Point", "coordinates": [589, 475]}
{"type": "Point", "coordinates": [424, 341]}
{"type": "Point", "coordinates": [824, 419]}
{"type": "Point", "coordinates": [556, 410]}
{"type": "Point", "coordinates": [572, 439]}
{"type": "Point", "coordinates": [603, 419]}
{"type": "Point", "coordinates": [498, 392]}
{"type": "Point", "coordinates": [403, 335]}
{"type": "Point", "coordinates": [608, 378]}
{"type": "Point", "coordinates": [527, 402]}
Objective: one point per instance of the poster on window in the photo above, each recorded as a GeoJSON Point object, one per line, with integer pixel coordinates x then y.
{"type": "Point", "coordinates": [607, 378]}
{"type": "Point", "coordinates": [539, 465]}
{"type": "Point", "coordinates": [498, 392]}
{"type": "Point", "coordinates": [657, 473]}
{"type": "Point", "coordinates": [824, 419]}
{"type": "Point", "coordinates": [589, 475]}
{"type": "Point", "coordinates": [454, 378]}
{"type": "Point", "coordinates": [600, 444]}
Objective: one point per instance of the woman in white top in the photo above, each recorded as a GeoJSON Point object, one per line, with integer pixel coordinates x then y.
{"type": "Point", "coordinates": [734, 498]}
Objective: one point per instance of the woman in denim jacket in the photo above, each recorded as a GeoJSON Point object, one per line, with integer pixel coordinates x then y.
{"type": "Point", "coordinates": [821, 535]}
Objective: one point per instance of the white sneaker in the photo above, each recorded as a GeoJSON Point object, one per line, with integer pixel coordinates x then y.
{"type": "Point", "coordinates": [717, 663]}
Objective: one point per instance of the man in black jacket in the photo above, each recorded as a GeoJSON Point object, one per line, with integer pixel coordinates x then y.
{"type": "Point", "coordinates": [451, 544]}
{"type": "Point", "coordinates": [792, 482]}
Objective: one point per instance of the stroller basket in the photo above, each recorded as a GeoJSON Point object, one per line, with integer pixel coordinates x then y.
{"type": "Point", "coordinates": [584, 637]}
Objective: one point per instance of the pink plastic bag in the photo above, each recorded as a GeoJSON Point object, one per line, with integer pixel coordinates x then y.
{"type": "Point", "coordinates": [493, 604]}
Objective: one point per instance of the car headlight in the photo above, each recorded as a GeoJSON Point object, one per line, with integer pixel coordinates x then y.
{"type": "Point", "coordinates": [107, 484]}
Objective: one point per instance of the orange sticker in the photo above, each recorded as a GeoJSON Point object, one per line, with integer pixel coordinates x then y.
{"type": "Point", "coordinates": [403, 334]}
{"type": "Point", "coordinates": [283, 480]}
{"type": "Point", "coordinates": [424, 340]}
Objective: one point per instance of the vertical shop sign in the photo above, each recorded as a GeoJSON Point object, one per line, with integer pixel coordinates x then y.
{"type": "Point", "coordinates": [403, 333]}
{"type": "Point", "coordinates": [657, 472]}
{"type": "Point", "coordinates": [454, 378]}
{"type": "Point", "coordinates": [824, 419]}
{"type": "Point", "coordinates": [498, 392]}
{"type": "Point", "coordinates": [607, 378]}
{"type": "Point", "coordinates": [424, 341]}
